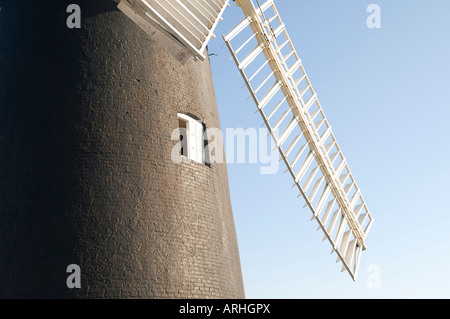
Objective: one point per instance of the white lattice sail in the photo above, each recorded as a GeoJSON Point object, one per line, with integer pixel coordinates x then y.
{"type": "Point", "coordinates": [183, 27]}
{"type": "Point", "coordinates": [288, 104]}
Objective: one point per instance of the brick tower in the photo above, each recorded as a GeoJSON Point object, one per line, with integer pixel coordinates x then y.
{"type": "Point", "coordinates": [86, 173]}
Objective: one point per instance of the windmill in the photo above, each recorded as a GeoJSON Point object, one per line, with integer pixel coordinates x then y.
{"type": "Point", "coordinates": [88, 180]}
{"type": "Point", "coordinates": [275, 76]}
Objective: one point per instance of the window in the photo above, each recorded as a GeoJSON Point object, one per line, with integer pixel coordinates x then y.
{"type": "Point", "coordinates": [182, 124]}
{"type": "Point", "coordinates": [191, 137]}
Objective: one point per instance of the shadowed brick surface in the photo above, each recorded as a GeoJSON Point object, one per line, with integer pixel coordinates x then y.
{"type": "Point", "coordinates": [86, 175]}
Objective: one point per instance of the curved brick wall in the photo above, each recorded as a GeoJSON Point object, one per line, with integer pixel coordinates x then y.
{"type": "Point", "coordinates": [86, 175]}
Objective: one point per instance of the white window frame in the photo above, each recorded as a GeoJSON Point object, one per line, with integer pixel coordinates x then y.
{"type": "Point", "coordinates": [195, 138]}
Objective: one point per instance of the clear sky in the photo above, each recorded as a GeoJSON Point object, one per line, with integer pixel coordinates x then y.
{"type": "Point", "coordinates": [386, 94]}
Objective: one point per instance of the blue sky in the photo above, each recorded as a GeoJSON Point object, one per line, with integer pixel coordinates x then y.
{"type": "Point", "coordinates": [386, 94]}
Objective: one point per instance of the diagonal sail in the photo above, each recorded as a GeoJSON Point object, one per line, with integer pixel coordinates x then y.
{"type": "Point", "coordinates": [289, 106]}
